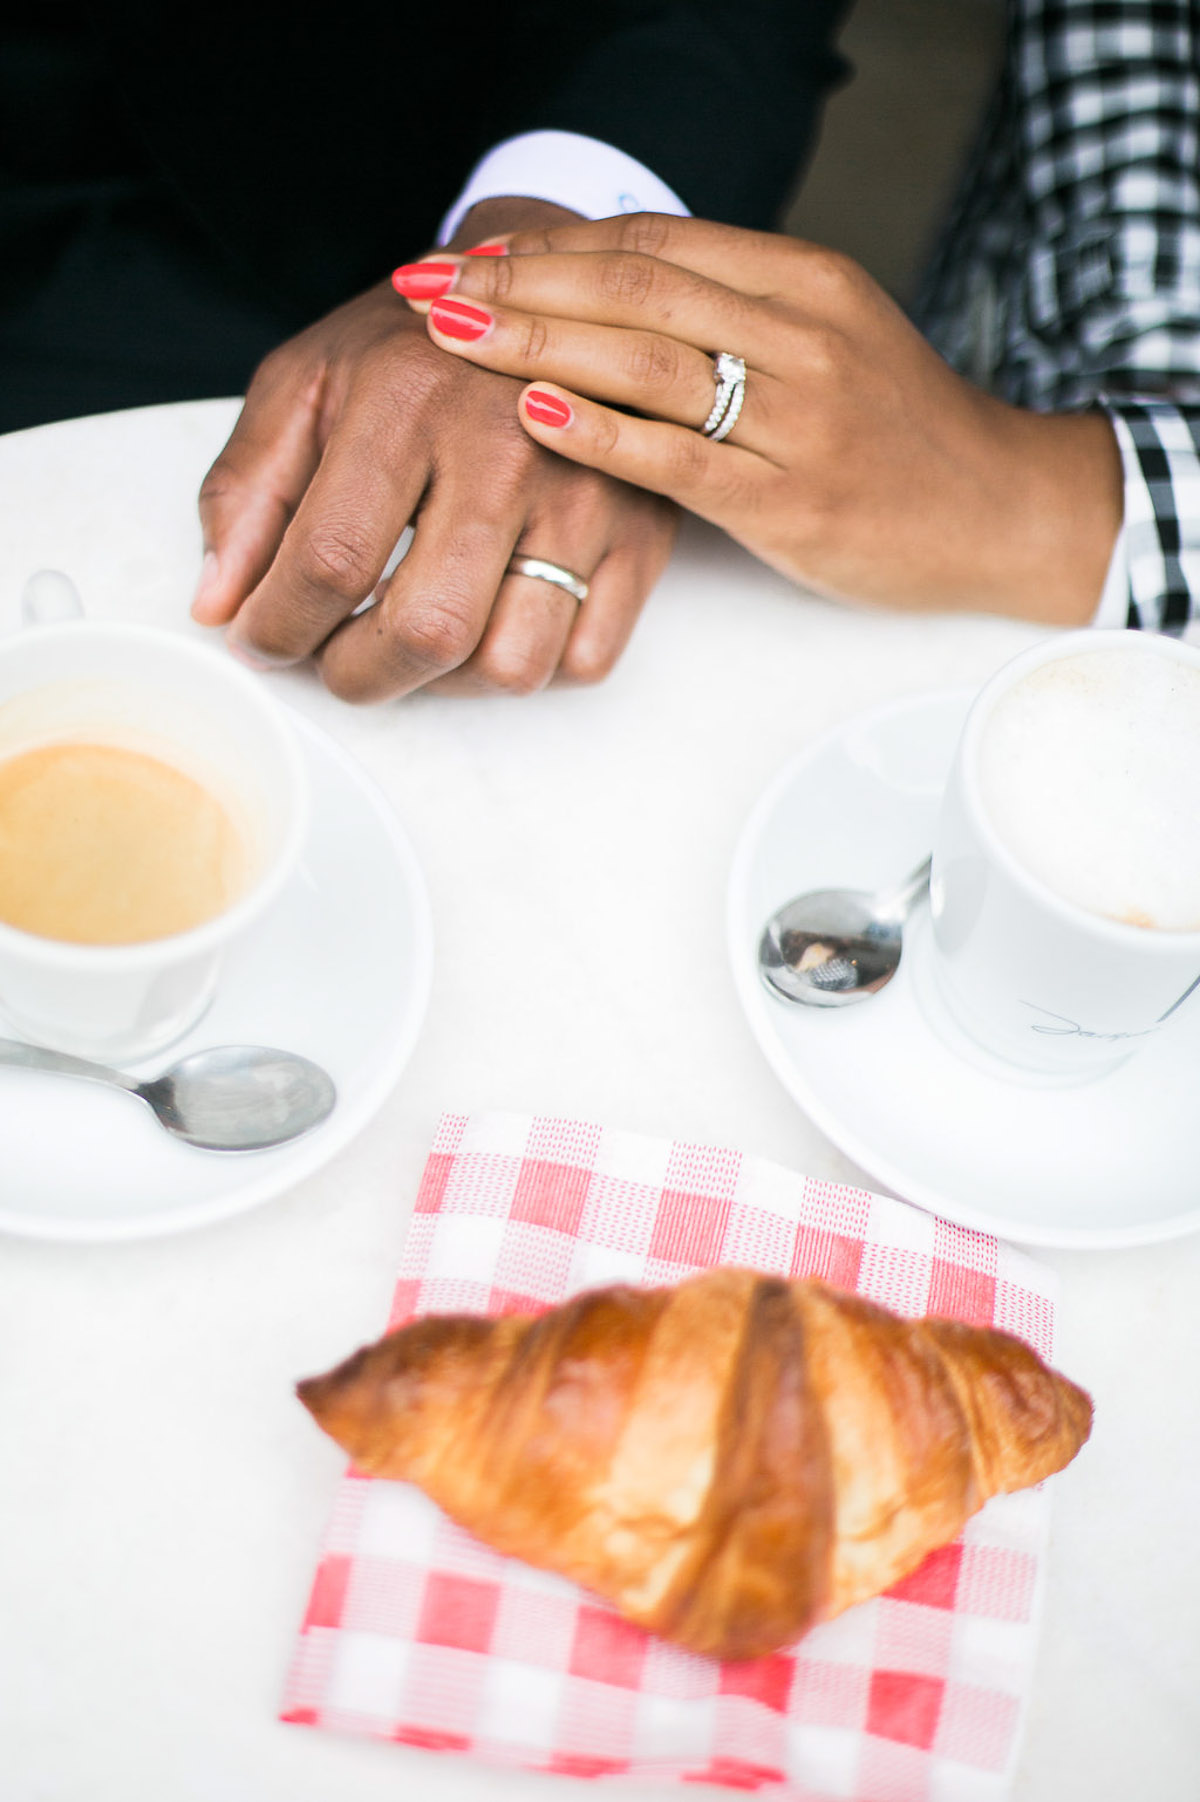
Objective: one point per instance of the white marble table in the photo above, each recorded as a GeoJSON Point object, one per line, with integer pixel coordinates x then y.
{"type": "Point", "coordinates": [162, 1496]}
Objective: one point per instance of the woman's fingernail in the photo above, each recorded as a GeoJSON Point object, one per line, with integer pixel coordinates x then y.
{"type": "Point", "coordinates": [494, 247]}
{"type": "Point", "coordinates": [547, 409]}
{"type": "Point", "coordinates": [210, 576]}
{"type": "Point", "coordinates": [456, 319]}
{"type": "Point", "coordinates": [423, 281]}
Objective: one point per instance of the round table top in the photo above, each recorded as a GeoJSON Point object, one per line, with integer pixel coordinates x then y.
{"type": "Point", "coordinates": [163, 1496]}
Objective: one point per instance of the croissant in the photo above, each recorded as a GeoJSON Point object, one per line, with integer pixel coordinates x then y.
{"type": "Point", "coordinates": [727, 1462]}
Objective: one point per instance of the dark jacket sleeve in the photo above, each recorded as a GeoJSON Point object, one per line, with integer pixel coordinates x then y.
{"type": "Point", "coordinates": [320, 152]}
{"type": "Point", "coordinates": [720, 98]}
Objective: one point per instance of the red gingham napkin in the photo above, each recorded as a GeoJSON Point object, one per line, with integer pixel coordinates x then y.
{"type": "Point", "coordinates": [416, 1633]}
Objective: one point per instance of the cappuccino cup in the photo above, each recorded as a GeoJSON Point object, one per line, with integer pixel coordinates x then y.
{"type": "Point", "coordinates": [153, 803]}
{"type": "Point", "coordinates": [1065, 889]}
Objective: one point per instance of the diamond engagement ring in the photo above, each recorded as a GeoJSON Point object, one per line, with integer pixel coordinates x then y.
{"type": "Point", "coordinates": [542, 571]}
{"type": "Point", "coordinates": [729, 373]}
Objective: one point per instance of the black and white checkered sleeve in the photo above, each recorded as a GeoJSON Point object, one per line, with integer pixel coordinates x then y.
{"type": "Point", "coordinates": [1070, 275]}
{"type": "Point", "coordinates": [1108, 110]}
{"type": "Point", "coordinates": [1160, 450]}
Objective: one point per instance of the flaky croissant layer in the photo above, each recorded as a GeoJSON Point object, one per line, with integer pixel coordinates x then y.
{"type": "Point", "coordinates": [727, 1462]}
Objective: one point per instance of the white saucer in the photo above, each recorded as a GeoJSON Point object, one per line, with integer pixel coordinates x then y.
{"type": "Point", "coordinates": [340, 971]}
{"type": "Point", "coordinates": [1109, 1163]}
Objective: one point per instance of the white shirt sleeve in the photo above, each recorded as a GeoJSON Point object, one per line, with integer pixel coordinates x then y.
{"type": "Point", "coordinates": [582, 173]}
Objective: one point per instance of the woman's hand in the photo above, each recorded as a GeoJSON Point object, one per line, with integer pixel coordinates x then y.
{"type": "Point", "coordinates": [861, 464]}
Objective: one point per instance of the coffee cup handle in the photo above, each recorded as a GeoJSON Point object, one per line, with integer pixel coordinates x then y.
{"type": "Point", "coordinates": [48, 598]}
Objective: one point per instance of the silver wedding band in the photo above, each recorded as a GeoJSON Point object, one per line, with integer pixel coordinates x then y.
{"type": "Point", "coordinates": [729, 373]}
{"type": "Point", "coordinates": [541, 571]}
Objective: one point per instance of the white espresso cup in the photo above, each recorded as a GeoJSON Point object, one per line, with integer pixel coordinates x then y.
{"type": "Point", "coordinates": [82, 683]}
{"type": "Point", "coordinates": [1065, 892]}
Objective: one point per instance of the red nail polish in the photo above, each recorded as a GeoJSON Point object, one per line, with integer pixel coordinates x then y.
{"type": "Point", "coordinates": [456, 319]}
{"type": "Point", "coordinates": [547, 409]}
{"type": "Point", "coordinates": [495, 247]}
{"type": "Point", "coordinates": [423, 281]}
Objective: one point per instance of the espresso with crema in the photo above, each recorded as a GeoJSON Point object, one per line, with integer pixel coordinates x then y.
{"type": "Point", "coordinates": [102, 845]}
{"type": "Point", "coordinates": [1090, 775]}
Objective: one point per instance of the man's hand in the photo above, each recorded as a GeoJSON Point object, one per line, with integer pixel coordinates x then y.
{"type": "Point", "coordinates": [860, 463]}
{"type": "Point", "coordinates": [360, 426]}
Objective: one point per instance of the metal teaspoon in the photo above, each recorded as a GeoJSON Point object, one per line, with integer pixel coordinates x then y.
{"type": "Point", "coordinates": [232, 1098]}
{"type": "Point", "coordinates": [835, 946]}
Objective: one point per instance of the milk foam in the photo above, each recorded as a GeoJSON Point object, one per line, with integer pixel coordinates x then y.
{"type": "Point", "coordinates": [1090, 775]}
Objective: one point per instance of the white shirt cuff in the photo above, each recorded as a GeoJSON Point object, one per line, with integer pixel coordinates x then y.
{"type": "Point", "coordinates": [582, 173]}
{"type": "Point", "coordinates": [1113, 611]}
